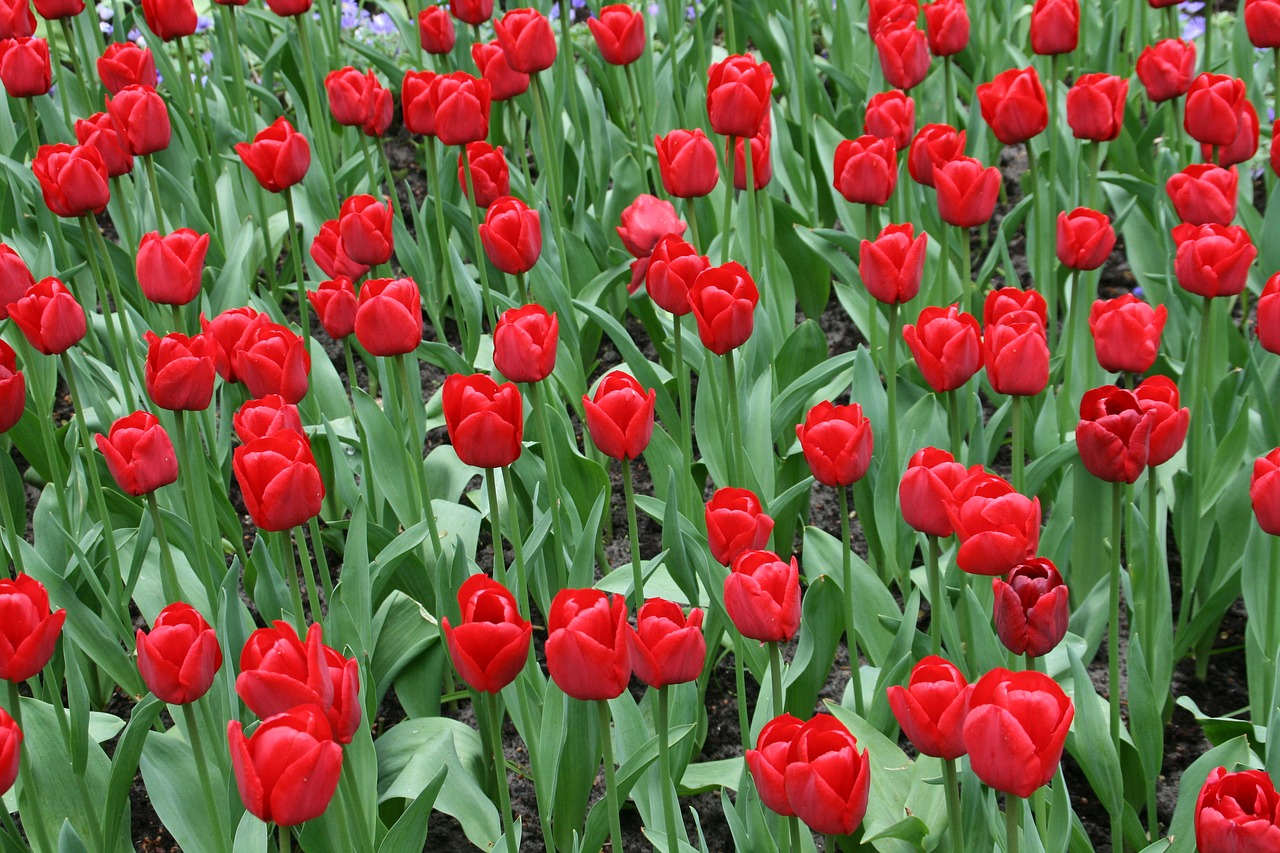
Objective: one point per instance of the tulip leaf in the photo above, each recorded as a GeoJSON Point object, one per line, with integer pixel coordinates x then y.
{"type": "Point", "coordinates": [821, 626]}
{"type": "Point", "coordinates": [251, 835]}
{"type": "Point", "coordinates": [706, 776]}
{"type": "Point", "coordinates": [910, 829]}
{"type": "Point", "coordinates": [402, 630]}
{"type": "Point", "coordinates": [169, 773]}
{"type": "Point", "coordinates": [409, 833]}
{"type": "Point", "coordinates": [386, 449]}
{"type": "Point", "coordinates": [822, 555]}
{"type": "Point", "coordinates": [1231, 754]}
{"type": "Point", "coordinates": [124, 762]}
{"type": "Point", "coordinates": [628, 773]}
{"type": "Point", "coordinates": [1089, 740]}
{"type": "Point", "coordinates": [69, 841]}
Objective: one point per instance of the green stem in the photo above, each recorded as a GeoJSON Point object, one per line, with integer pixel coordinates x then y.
{"type": "Point", "coordinates": [283, 553]}
{"type": "Point", "coordinates": [1012, 817]}
{"type": "Point", "coordinates": [725, 229]}
{"type": "Point", "coordinates": [495, 531]}
{"type": "Point", "coordinates": [300, 543]}
{"type": "Point", "coordinates": [494, 720]}
{"type": "Point", "coordinates": [936, 595]}
{"type": "Point", "coordinates": [10, 524]}
{"type": "Point", "coordinates": [955, 817]}
{"type": "Point", "coordinates": [775, 678]}
{"type": "Point", "coordinates": [891, 385]}
{"type": "Point", "coordinates": [553, 481]}
{"type": "Point", "coordinates": [168, 574]}
{"type": "Point", "coordinates": [1113, 629]}
{"type": "Point", "coordinates": [794, 829]}
{"type": "Point", "coordinates": [192, 461]}
{"type": "Point", "coordinates": [513, 534]}
{"type": "Point", "coordinates": [240, 99]}
{"type": "Point", "coordinates": [154, 185]}
{"type": "Point", "coordinates": [1153, 563]}
{"type": "Point", "coordinates": [122, 211]}
{"type": "Point", "coordinates": [33, 132]}
{"type": "Point", "coordinates": [731, 39]}
{"type": "Point", "coordinates": [437, 204]}
{"type": "Point", "coordinates": [322, 562]}
{"type": "Point", "coordinates": [740, 688]}
{"type": "Point", "coordinates": [686, 407]}
{"type": "Point", "coordinates": [286, 840]}
{"type": "Point", "coordinates": [953, 421]}
{"type": "Point", "coordinates": [637, 573]}
{"type": "Point", "coordinates": [738, 445]}
{"type": "Point", "coordinates": [1019, 454]}
{"type": "Point", "coordinates": [415, 456]}
{"type": "Point", "coordinates": [1209, 8]}
{"type": "Point", "coordinates": [851, 634]}
{"type": "Point", "coordinates": [318, 115]}
{"type": "Point", "coordinates": [672, 797]}
{"type": "Point", "coordinates": [642, 131]}
{"type": "Point", "coordinates": [555, 193]}
{"type": "Point", "coordinates": [803, 37]}
{"type": "Point", "coordinates": [481, 263]}
{"type": "Point", "coordinates": [113, 285]}
{"type": "Point", "coordinates": [749, 178]}
{"type": "Point", "coordinates": [611, 787]}
{"type": "Point", "coordinates": [948, 89]}
{"type": "Point", "coordinates": [295, 252]}
{"type": "Point", "coordinates": [368, 161]}
{"type": "Point", "coordinates": [36, 826]}
{"type": "Point", "coordinates": [967, 283]}
{"type": "Point", "coordinates": [199, 107]}
{"type": "Point", "coordinates": [202, 770]}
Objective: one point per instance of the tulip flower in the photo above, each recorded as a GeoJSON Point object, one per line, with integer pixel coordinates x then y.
{"type": "Point", "coordinates": [492, 64]}
{"type": "Point", "coordinates": [1126, 333]}
{"type": "Point", "coordinates": [139, 454]}
{"type": "Point", "coordinates": [485, 420]}
{"type": "Point", "coordinates": [967, 191]}
{"type": "Point", "coordinates": [1095, 106]}
{"type": "Point", "coordinates": [415, 103]}
{"type": "Point", "coordinates": [619, 33]}
{"type": "Point", "coordinates": [739, 94]}
{"type": "Point", "coordinates": [1158, 395]}
{"type": "Point", "coordinates": [1214, 104]}
{"type": "Point", "coordinates": [932, 708]}
{"type": "Point", "coordinates": [490, 644]}
{"type": "Point", "coordinates": [388, 318]}
{"type": "Point", "coordinates": [489, 172]}
{"type": "Point", "coordinates": [180, 657]}
{"type": "Point", "coordinates": [666, 647]}
{"type": "Point", "coordinates": [892, 265]}
{"type": "Point", "coordinates": [767, 763]}
{"type": "Point", "coordinates": [364, 223]}
{"type": "Point", "coordinates": [762, 596]}
{"type": "Point", "coordinates": [1245, 144]}
{"type": "Point", "coordinates": [327, 252]}
{"type": "Point", "coordinates": [1017, 358]}
{"type": "Point", "coordinates": [837, 443]}
{"type": "Point", "coordinates": [1165, 69]}
{"type": "Point", "coordinates": [524, 343]}
{"type": "Point", "coordinates": [997, 527]}
{"type": "Point", "coordinates": [15, 278]}
{"type": "Point", "coordinates": [866, 170]}
{"type": "Point", "coordinates": [891, 115]}
{"type": "Point", "coordinates": [99, 131]}
{"type": "Point", "coordinates": [588, 655]}
{"type": "Point", "coordinates": [1237, 812]}
{"type": "Point", "coordinates": [288, 770]}
{"type": "Point", "coordinates": [73, 179]}
{"type": "Point", "coordinates": [1085, 239]}
{"type": "Point", "coordinates": [674, 266]}
{"type": "Point", "coordinates": [10, 751]}
{"type": "Point", "coordinates": [947, 346]}
{"type": "Point", "coordinates": [170, 267]}
{"type": "Point", "coordinates": [947, 26]}
{"type": "Point", "coordinates": [1015, 730]}
{"type": "Point", "coordinates": [49, 316]}
{"type": "Point", "coordinates": [1213, 260]}
{"type": "Point", "coordinates": [827, 779]}
{"type": "Point", "coordinates": [736, 522]}
{"type": "Point", "coordinates": [1268, 327]}
{"type": "Point", "coordinates": [1031, 608]}
{"type": "Point", "coordinates": [272, 359]}
{"type": "Point", "coordinates": [13, 389]}
{"type": "Point", "coordinates": [881, 12]}
{"type": "Point", "coordinates": [1204, 193]}
{"type": "Point", "coordinates": [279, 156]}
{"type": "Point", "coordinates": [28, 631]}
{"type": "Point", "coordinates": [1262, 22]}
{"type": "Point", "coordinates": [687, 163]}
{"type": "Point", "coordinates": [141, 118]}
{"type": "Point", "coordinates": [358, 100]}
{"type": "Point", "coordinates": [527, 40]}
{"type": "Point", "coordinates": [279, 479]}
{"type": "Point", "coordinates": [125, 63]}
{"type": "Point", "coordinates": [1114, 434]}
{"type": "Point", "coordinates": [24, 67]}
{"type": "Point", "coordinates": [1264, 492]}
{"type": "Point", "coordinates": [904, 53]}
{"type": "Point", "coordinates": [266, 416]}
{"type": "Point", "coordinates": [170, 19]}
{"type": "Point", "coordinates": [16, 20]}
{"type": "Point", "coordinates": [474, 12]}
{"type": "Point", "coordinates": [761, 158]}
{"type": "Point", "coordinates": [934, 145]}
{"type": "Point", "coordinates": [435, 30]}
{"type": "Point", "coordinates": [928, 485]}
{"type": "Point", "coordinates": [335, 303]}
{"type": "Point", "coordinates": [724, 300]}
{"type": "Point", "coordinates": [620, 416]}
{"type": "Point", "coordinates": [1014, 105]}
{"type": "Point", "coordinates": [1011, 305]}
{"type": "Point", "coordinates": [1055, 26]}
{"type": "Point", "coordinates": [228, 329]}
{"type": "Point", "coordinates": [512, 235]}
{"type": "Point", "coordinates": [646, 221]}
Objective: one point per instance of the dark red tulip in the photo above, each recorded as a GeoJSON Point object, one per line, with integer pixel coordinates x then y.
{"type": "Point", "coordinates": [279, 156]}
{"type": "Point", "coordinates": [1031, 608]}
{"type": "Point", "coordinates": [762, 596]}
{"type": "Point", "coordinates": [666, 646]}
{"type": "Point", "coordinates": [524, 343]}
{"type": "Point", "coordinates": [1158, 396]}
{"type": "Point", "coordinates": [180, 657]}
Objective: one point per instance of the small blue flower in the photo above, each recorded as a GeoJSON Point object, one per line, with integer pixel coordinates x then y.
{"type": "Point", "coordinates": [207, 57]}
{"type": "Point", "coordinates": [382, 24]}
{"type": "Point", "coordinates": [1137, 291]}
{"type": "Point", "coordinates": [203, 23]}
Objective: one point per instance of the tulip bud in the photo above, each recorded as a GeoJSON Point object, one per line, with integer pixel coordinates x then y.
{"type": "Point", "coordinates": [228, 329]}
{"type": "Point", "coordinates": [934, 145]}
{"type": "Point", "coordinates": [123, 64]}
{"type": "Point", "coordinates": [673, 268]}
{"type": "Point", "coordinates": [587, 651]}
{"type": "Point", "coordinates": [485, 420]}
{"type": "Point", "coordinates": [24, 67]}
{"type": "Point", "coordinates": [1014, 105]}
{"type": "Point", "coordinates": [327, 252]}
{"type": "Point", "coordinates": [1165, 69]}
{"type": "Point", "coordinates": [279, 156]}
{"type": "Point", "coordinates": [49, 316]}
{"type": "Point", "coordinates": [388, 320]}
{"type": "Point", "coordinates": [739, 93]}
{"type": "Point", "coordinates": [170, 267]}
{"type": "Point", "coordinates": [490, 644]}
{"type": "Point", "coordinates": [932, 708]}
{"type": "Point", "coordinates": [1031, 608]}
{"type": "Point", "coordinates": [29, 632]}
{"type": "Point", "coordinates": [73, 179]}
{"type": "Point", "coordinates": [288, 770]}
{"type": "Point", "coordinates": [511, 235]}
{"type": "Point", "coordinates": [1114, 434]}
{"type": "Point", "coordinates": [524, 343]}
{"type": "Point", "coordinates": [10, 751]}
{"type": "Point", "coordinates": [279, 479]}
{"type": "Point", "coordinates": [837, 443]}
{"type": "Point", "coordinates": [474, 12]}
{"type": "Point", "coordinates": [967, 191]}
{"type": "Point", "coordinates": [1214, 104]}
{"type": "Point", "coordinates": [1126, 333]}
{"type": "Point", "coordinates": [435, 30]}
{"type": "Point", "coordinates": [667, 647]}
{"type": "Point", "coordinates": [98, 131]}
{"type": "Point", "coordinates": [891, 115]}
{"type": "Point", "coordinates": [266, 416]}
{"type": "Point", "coordinates": [1085, 238]}
{"type": "Point", "coordinates": [15, 278]}
{"type": "Point", "coordinates": [365, 225]}
{"type": "Point", "coordinates": [947, 24]}
{"type": "Point", "coordinates": [1095, 106]}
{"type": "Point", "coordinates": [1268, 325]}
{"type": "Point", "coordinates": [893, 265]}
{"type": "Point", "coordinates": [527, 39]}
{"type": "Point", "coordinates": [334, 302]}
{"type": "Point", "coordinates": [724, 300]}
{"type": "Point", "coordinates": [736, 522]}
{"type": "Point", "coordinates": [866, 169]}
{"type": "Point", "coordinates": [180, 657]}
{"type": "Point", "coordinates": [489, 173]}
{"type": "Point", "coordinates": [762, 596]}
{"type": "Point", "coordinates": [620, 417]}
{"type": "Point", "coordinates": [619, 33]}
{"type": "Point", "coordinates": [1055, 26]}
{"type": "Point", "coordinates": [1016, 355]}
{"type": "Point", "coordinates": [904, 53]}
{"type": "Point", "coordinates": [141, 118]}
{"type": "Point", "coordinates": [139, 454]}
{"type": "Point", "coordinates": [1213, 260]}
{"type": "Point", "coordinates": [687, 163]}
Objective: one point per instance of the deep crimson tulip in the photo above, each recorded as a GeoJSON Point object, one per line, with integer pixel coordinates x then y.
{"type": "Point", "coordinates": [1015, 730]}
{"type": "Point", "coordinates": [1243, 147]}
{"type": "Point", "coordinates": [28, 631]}
{"type": "Point", "coordinates": [388, 317]}
{"type": "Point", "coordinates": [947, 346]}
{"type": "Point", "coordinates": [288, 770]}
{"type": "Point", "coordinates": [492, 64]}
{"type": "Point", "coordinates": [1203, 193]}
{"type": "Point", "coordinates": [1055, 26]}
{"type": "Point", "coordinates": [997, 527]}
{"type": "Point", "coordinates": [1016, 356]}
{"type": "Point", "coordinates": [1095, 106]}
{"type": "Point", "coordinates": [435, 30]}
{"type": "Point", "coordinates": [739, 93]}
{"type": "Point", "coordinates": [1031, 608]}
{"type": "Point", "coordinates": [932, 707]}
{"type": "Point", "coordinates": [1158, 395]}
{"type": "Point", "coordinates": [279, 671]}
{"type": "Point", "coordinates": [928, 486]}
{"type": "Point", "coordinates": [619, 33]}
{"type": "Point", "coordinates": [1114, 434]}
{"type": "Point", "coordinates": [1013, 305]}
{"type": "Point", "coordinates": [1262, 22]}
{"type": "Point", "coordinates": [620, 416]}
{"type": "Point", "coordinates": [934, 145]}
{"type": "Point", "coordinates": [667, 647]}
{"type": "Point", "coordinates": [334, 302]}
{"type": "Point", "coordinates": [827, 779]}
{"type": "Point", "coordinates": [892, 265]}
{"type": "Point", "coordinates": [24, 67]}
{"type": "Point", "coordinates": [415, 103]}
{"type": "Point", "coordinates": [967, 191]}
{"type": "Point", "coordinates": [673, 268]}
{"type": "Point", "coordinates": [490, 644]}
{"type": "Point", "coordinates": [736, 522]}
{"type": "Point", "coordinates": [1237, 812]}
{"type": "Point", "coordinates": [1268, 326]}
{"type": "Point", "coordinates": [16, 19]}
{"type": "Point", "coordinates": [761, 159]}
{"type": "Point", "coordinates": [1162, 4]}
{"type": "Point", "coordinates": [169, 268]}
{"type": "Point", "coordinates": [866, 169]}
{"type": "Point", "coordinates": [724, 301]}
{"type": "Point", "coordinates": [1126, 333]}
{"type": "Point", "coordinates": [904, 53]}
{"type": "Point", "coordinates": [687, 163]}
{"type": "Point", "coordinates": [123, 64]}
{"type": "Point", "coordinates": [10, 751]}
{"type": "Point", "coordinates": [13, 389]}
{"type": "Point", "coordinates": [365, 225]}
{"type": "Point", "coordinates": [947, 26]}
{"type": "Point", "coordinates": [837, 443]}
{"type": "Point", "coordinates": [73, 179]}
{"type": "Point", "coordinates": [53, 10]}
{"type": "Point", "coordinates": [588, 656]}
{"type": "Point", "coordinates": [180, 371]}
{"type": "Point", "coordinates": [891, 115]}
{"type": "Point", "coordinates": [768, 762]}
{"type": "Point", "coordinates": [460, 106]}
{"type": "Point", "coordinates": [762, 596]}
{"type": "Point", "coordinates": [527, 39]}
{"type": "Point", "coordinates": [141, 118]}
{"type": "Point", "coordinates": [49, 316]}
{"type": "Point", "coordinates": [1166, 67]}
{"type": "Point", "coordinates": [139, 454]}
{"type": "Point", "coordinates": [271, 359]}
{"type": "Point", "coordinates": [1014, 106]}
{"type": "Point", "coordinates": [881, 12]}
{"type": "Point", "coordinates": [1085, 238]}
{"type": "Point", "coordinates": [331, 257]}
{"type": "Point", "coordinates": [280, 481]}
{"type": "Point", "coordinates": [99, 131]}
{"type": "Point", "coordinates": [485, 420]}
{"type": "Point", "coordinates": [180, 657]}
{"type": "Point", "coordinates": [474, 12]}
{"type": "Point", "coordinates": [15, 278]}
{"type": "Point", "coordinates": [228, 329]}
{"type": "Point", "coordinates": [357, 99]}
{"type": "Point", "coordinates": [289, 8]}
{"type": "Point", "coordinates": [279, 156]}
{"type": "Point", "coordinates": [646, 221]}
{"type": "Point", "coordinates": [1264, 492]}
{"type": "Point", "coordinates": [1213, 260]}
{"type": "Point", "coordinates": [489, 172]}
{"type": "Point", "coordinates": [511, 235]}
{"type": "Point", "coordinates": [1214, 104]}
{"type": "Point", "coordinates": [524, 343]}
{"type": "Point", "coordinates": [170, 19]}
{"type": "Point", "coordinates": [266, 416]}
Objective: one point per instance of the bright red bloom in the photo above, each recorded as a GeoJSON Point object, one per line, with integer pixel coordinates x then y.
{"type": "Point", "coordinates": [28, 631]}
{"type": "Point", "coordinates": [1015, 730]}
{"type": "Point", "coordinates": [837, 443]}
{"type": "Point", "coordinates": [123, 64]}
{"type": "Point", "coordinates": [1031, 608]}
{"type": "Point", "coordinates": [947, 25]}
{"type": "Point", "coordinates": [415, 105]}
{"type": "Point", "coordinates": [13, 389]}
{"type": "Point", "coordinates": [1214, 104]}
{"type": "Point", "coordinates": [1213, 260]}
{"type": "Point", "coordinates": [967, 191]}
{"type": "Point", "coordinates": [460, 106]}
{"type": "Point", "coordinates": [180, 371]}
{"type": "Point", "coordinates": [289, 8]}
{"type": "Point", "coordinates": [1237, 812]}
{"type": "Point", "coordinates": [891, 115]}
{"type": "Point", "coordinates": [141, 118]}
{"type": "Point", "coordinates": [24, 67]}
{"type": "Point", "coordinates": [271, 359]}
{"type": "Point", "coordinates": [493, 67]}
{"type": "Point", "coordinates": [997, 527]}
{"type": "Point", "coordinates": [947, 346]}
{"type": "Point", "coordinates": [1268, 327]}
{"type": "Point", "coordinates": [279, 479]}
{"type": "Point", "coordinates": [228, 329]}
{"type": "Point", "coordinates": [1013, 305]}
{"type": "Point", "coordinates": [279, 156]}
{"type": "Point", "coordinates": [1165, 69]}
{"type": "Point", "coordinates": [524, 343]}
{"type": "Point", "coordinates": [1264, 492]}
{"type": "Point", "coordinates": [866, 169]}
{"type": "Point", "coordinates": [646, 221]}
{"type": "Point", "coordinates": [1014, 105]}
{"type": "Point", "coordinates": [489, 172]}
{"type": "Point", "coordinates": [724, 301]}
{"type": "Point", "coordinates": [512, 235]}
{"type": "Point", "coordinates": [904, 53]}
{"type": "Point", "coordinates": [10, 750]}
{"type": "Point", "coordinates": [768, 762]}
{"type": "Point", "coordinates": [170, 19]}
{"type": "Point", "coordinates": [73, 179]}
{"type": "Point", "coordinates": [485, 420]}
{"type": "Point", "coordinates": [1158, 395]}
{"type": "Point", "coordinates": [49, 316]}
{"type": "Point", "coordinates": [268, 415]}
{"type": "Point", "coordinates": [474, 12]}
{"type": "Point", "coordinates": [365, 225]}
{"type": "Point", "coordinates": [1085, 238]}
{"type": "Point", "coordinates": [1126, 333]}
{"type": "Point", "coordinates": [881, 12]}
{"type": "Point", "coordinates": [139, 454]}
{"type": "Point", "coordinates": [334, 302]}
{"type": "Point", "coordinates": [739, 93]}
{"type": "Point", "coordinates": [928, 486]}
{"type": "Point", "coordinates": [619, 33]}
{"type": "Point", "coordinates": [435, 30]}
{"type": "Point", "coordinates": [1262, 22]}
{"type": "Point", "coordinates": [527, 39]}
{"type": "Point", "coordinates": [673, 268]}
{"type": "Point", "coordinates": [1095, 106]}
{"type": "Point", "coordinates": [288, 770]}
{"type": "Point", "coordinates": [1055, 26]}
{"type": "Point", "coordinates": [761, 158]}
{"type": "Point", "coordinates": [490, 644]}
{"type": "Point", "coordinates": [1114, 434]}
{"type": "Point", "coordinates": [932, 708]}
{"type": "Point", "coordinates": [934, 145]}
{"type": "Point", "coordinates": [169, 268]}
{"type": "Point", "coordinates": [327, 252]}
{"type": "Point", "coordinates": [736, 522]}
{"type": "Point", "coordinates": [180, 657]}
{"type": "Point", "coordinates": [687, 163]}
{"type": "Point", "coordinates": [620, 416]}
{"type": "Point", "coordinates": [1243, 147]}
{"type": "Point", "coordinates": [15, 278]}
{"type": "Point", "coordinates": [388, 317]}
{"type": "Point", "coordinates": [827, 779]}
{"type": "Point", "coordinates": [99, 131]}
{"type": "Point", "coordinates": [16, 21]}
{"type": "Point", "coordinates": [588, 656]}
{"type": "Point", "coordinates": [1016, 355]}
{"type": "Point", "coordinates": [762, 596]}
{"type": "Point", "coordinates": [892, 265]}
{"type": "Point", "coordinates": [666, 646]}
{"type": "Point", "coordinates": [1204, 193]}
{"type": "Point", "coordinates": [359, 100]}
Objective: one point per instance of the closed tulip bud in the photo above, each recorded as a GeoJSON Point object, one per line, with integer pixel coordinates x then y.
{"type": "Point", "coordinates": [1014, 105]}
{"type": "Point", "coordinates": [620, 416]}
{"type": "Point", "coordinates": [666, 647]}
{"type": "Point", "coordinates": [141, 118]}
{"type": "Point", "coordinates": [967, 191]}
{"type": "Point", "coordinates": [50, 318]}
{"type": "Point", "coordinates": [1015, 730]}
{"type": "Point", "coordinates": [10, 751]}
{"type": "Point", "coordinates": [837, 443]}
{"type": "Point", "coordinates": [1126, 333]}
{"type": "Point", "coordinates": [932, 708]}
{"type": "Point", "coordinates": [687, 163]}
{"type": "Point", "coordinates": [16, 19]}
{"type": "Point", "coordinates": [736, 522]}
{"type": "Point", "coordinates": [53, 10]}
{"type": "Point", "coordinates": [459, 104]}
{"type": "Point", "coordinates": [997, 527]}
{"type": "Point", "coordinates": [673, 268]}
{"type": "Point", "coordinates": [1245, 144]}
{"type": "Point", "coordinates": [289, 8]}
{"type": "Point", "coordinates": [357, 99]}
{"type": "Point", "coordinates": [288, 770]}
{"type": "Point", "coordinates": [180, 371]}
{"type": "Point", "coordinates": [1017, 358]}
{"type": "Point", "coordinates": [768, 762]}
{"type": "Point", "coordinates": [99, 131]}
{"type": "Point", "coordinates": [266, 416]}
{"type": "Point", "coordinates": [1204, 193]}
{"type": "Point", "coordinates": [1031, 608]}
{"type": "Point", "coordinates": [1237, 812]}
{"type": "Point", "coordinates": [29, 632]}
{"type": "Point", "coordinates": [170, 19]}
{"type": "Point", "coordinates": [588, 656]}
{"type": "Point", "coordinates": [1262, 22]}
{"type": "Point", "coordinates": [524, 343]}
{"type": "Point", "coordinates": [334, 302]}
{"type": "Point", "coordinates": [490, 644]}
{"type": "Point", "coordinates": [279, 671]}
{"type": "Point", "coordinates": [891, 115]}
{"type": "Point", "coordinates": [619, 33]}
{"type": "Point", "coordinates": [485, 420]}
{"type": "Point", "coordinates": [934, 145]}
{"type": "Point", "coordinates": [435, 30]}
{"type": "Point", "coordinates": [827, 779]}
{"type": "Point", "coordinates": [123, 64]}
{"type": "Point", "coordinates": [892, 265]}
{"type": "Point", "coordinates": [170, 267]}
{"type": "Point", "coordinates": [1095, 106]}
{"type": "Point", "coordinates": [1012, 305]}
{"type": "Point", "coordinates": [73, 179]}
{"type": "Point", "coordinates": [180, 657]}
{"type": "Point", "coordinates": [1114, 434]}
{"type": "Point", "coordinates": [280, 481]}
{"type": "Point", "coordinates": [415, 103]}
{"type": "Point", "coordinates": [1214, 104]}
{"type": "Point", "coordinates": [527, 39]}
{"type": "Point", "coordinates": [947, 25]}
{"type": "Point", "coordinates": [646, 221]}
{"type": "Point", "coordinates": [1158, 396]}
{"type": "Point", "coordinates": [1085, 238]}
{"type": "Point", "coordinates": [1264, 492]}
{"type": "Point", "coordinates": [762, 596]}
{"type": "Point", "coordinates": [511, 235]}
{"type": "Point", "coordinates": [13, 389]}
{"type": "Point", "coordinates": [739, 95]}
{"type": "Point", "coordinates": [1213, 260]}
{"type": "Point", "coordinates": [15, 278]}
{"type": "Point", "coordinates": [271, 359]}
{"type": "Point", "coordinates": [227, 329]}
{"type": "Point", "coordinates": [492, 64]}
{"type": "Point", "coordinates": [928, 486]}
{"type": "Point", "coordinates": [389, 316]}
{"type": "Point", "coordinates": [331, 257]}
{"type": "Point", "coordinates": [761, 159]}
{"type": "Point", "coordinates": [364, 224]}
{"type": "Point", "coordinates": [866, 169]}
{"type": "Point", "coordinates": [724, 301]}
{"type": "Point", "coordinates": [1055, 26]}
{"type": "Point", "coordinates": [1165, 69]}
{"type": "Point", "coordinates": [947, 346]}
{"type": "Point", "coordinates": [279, 156]}
{"type": "Point", "coordinates": [1268, 326]}
{"type": "Point", "coordinates": [474, 12]}
{"type": "Point", "coordinates": [24, 67]}
{"type": "Point", "coordinates": [881, 12]}
{"type": "Point", "coordinates": [904, 53]}
{"type": "Point", "coordinates": [489, 173]}
{"type": "Point", "coordinates": [139, 454]}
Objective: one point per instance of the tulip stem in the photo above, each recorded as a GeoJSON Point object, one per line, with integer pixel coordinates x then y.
{"type": "Point", "coordinates": [1012, 818]}
{"type": "Point", "coordinates": [740, 688]}
{"type": "Point", "coordinates": [493, 721]}
{"type": "Point", "coordinates": [968, 286]}
{"type": "Point", "coordinates": [936, 595]}
{"type": "Point", "coordinates": [726, 230]}
{"type": "Point", "coordinates": [154, 186]}
{"type": "Point", "coordinates": [36, 826]}
{"type": "Point", "coordinates": [555, 193]}
{"type": "Point", "coordinates": [794, 825]}
{"type": "Point", "coordinates": [955, 817]}
{"type": "Point", "coordinates": [125, 219]}
{"type": "Point", "coordinates": [731, 40]}
{"type": "Point", "coordinates": [683, 381]}
{"type": "Point", "coordinates": [442, 237]}
{"type": "Point", "coordinates": [891, 385]}
{"type": "Point", "coordinates": [313, 595]}
{"type": "Point", "coordinates": [495, 530]}
{"type": "Point", "coordinates": [198, 106]}
{"type": "Point", "coordinates": [295, 252]}
{"type": "Point", "coordinates": [846, 583]}
{"type": "Point", "coordinates": [322, 562]}
{"type": "Point", "coordinates": [1209, 10]}
{"type": "Point", "coordinates": [10, 524]}
{"type": "Point", "coordinates": [480, 253]}
{"type": "Point", "coordinates": [953, 421]}
{"type": "Point", "coordinates": [415, 456]}
{"type": "Point", "coordinates": [1019, 454]}
{"type": "Point", "coordinates": [637, 572]}
{"type": "Point", "coordinates": [642, 130]}
{"type": "Point", "coordinates": [803, 35]}
{"type": "Point", "coordinates": [202, 770]}
{"type": "Point", "coordinates": [611, 788]}
{"type": "Point", "coordinates": [1113, 630]}
{"type": "Point", "coordinates": [195, 491]}
{"type": "Point", "coordinates": [368, 161]}
{"type": "Point", "coordinates": [775, 678]}
{"type": "Point", "coordinates": [1076, 316]}
{"type": "Point", "coordinates": [513, 534]}
{"type": "Point", "coordinates": [286, 840]}
{"type": "Point", "coordinates": [753, 215]}
{"type": "Point", "coordinates": [114, 337]}
{"type": "Point", "coordinates": [738, 452]}
{"type": "Point", "coordinates": [168, 574]}
{"type": "Point", "coordinates": [33, 132]}
{"type": "Point", "coordinates": [317, 116]}
{"type": "Point", "coordinates": [672, 795]}
{"type": "Point", "coordinates": [553, 479]}
{"type": "Point", "coordinates": [241, 98]}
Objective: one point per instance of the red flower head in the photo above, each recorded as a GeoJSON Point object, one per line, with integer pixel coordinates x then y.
{"type": "Point", "coordinates": [15, 278]}
{"type": "Point", "coordinates": [279, 156]}
{"type": "Point", "coordinates": [587, 651]}
{"type": "Point", "coordinates": [485, 420]}
{"type": "Point", "coordinates": [327, 252]}
{"type": "Point", "coordinates": [271, 359]}
{"type": "Point", "coordinates": [99, 131]}
{"type": "Point", "coordinates": [881, 12]}
{"type": "Point", "coordinates": [13, 389]}
{"type": "Point", "coordinates": [1213, 260]}
{"type": "Point", "coordinates": [967, 191]}
{"type": "Point", "coordinates": [227, 329]}
{"type": "Point", "coordinates": [49, 316]}
{"type": "Point", "coordinates": [1237, 812]}
{"type": "Point", "coordinates": [1016, 355]}
{"type": "Point", "coordinates": [415, 104]}
{"type": "Point", "coordinates": [1015, 730]}
{"type": "Point", "coordinates": [1268, 327]}
{"type": "Point", "coordinates": [280, 481]}
{"type": "Point", "coordinates": [687, 163]}
{"type": "Point", "coordinates": [646, 221]}
{"type": "Point", "coordinates": [512, 235]}
{"type": "Point", "coordinates": [10, 747]}
{"type": "Point", "coordinates": [266, 416]}
{"type": "Point", "coordinates": [1085, 238]}
{"type": "Point", "coordinates": [739, 91]}
{"type": "Point", "coordinates": [934, 145]}
{"type": "Point", "coordinates": [73, 179]}
{"type": "Point", "coordinates": [334, 302]}
{"type": "Point", "coordinates": [1055, 26]}
{"type": "Point", "coordinates": [1243, 147]}
{"type": "Point", "coordinates": [1165, 69]}
{"type": "Point", "coordinates": [673, 268]}
{"type": "Point", "coordinates": [866, 169]}
{"type": "Point", "coordinates": [1214, 104]}
{"type": "Point", "coordinates": [736, 522]}
{"type": "Point", "coordinates": [492, 64]}
{"type": "Point", "coordinates": [620, 417]}
{"type": "Point", "coordinates": [460, 106]}
{"type": "Point", "coordinates": [827, 779]}
{"type": "Point", "coordinates": [288, 770]}
{"type": "Point", "coordinates": [180, 371]}
{"type": "Point", "coordinates": [1031, 608]}
{"type": "Point", "coordinates": [761, 158]}
{"type": "Point", "coordinates": [24, 67]}
{"type": "Point", "coordinates": [768, 762]}
{"type": "Point", "coordinates": [1011, 305]}
{"type": "Point", "coordinates": [180, 657]}
{"type": "Point", "coordinates": [997, 527]}
{"type": "Point", "coordinates": [1158, 395]}
{"type": "Point", "coordinates": [837, 443]}
{"type": "Point", "coordinates": [762, 596]}
{"type": "Point", "coordinates": [932, 708]}
{"type": "Point", "coordinates": [474, 12]}
{"type": "Point", "coordinates": [365, 225]}
{"type": "Point", "coordinates": [891, 115]}
{"type": "Point", "coordinates": [928, 487]}
{"type": "Point", "coordinates": [1114, 434]}
{"type": "Point", "coordinates": [28, 631]}
{"type": "Point", "coordinates": [170, 19]}
{"type": "Point", "coordinates": [169, 268]}
{"type": "Point", "coordinates": [665, 646]}
{"type": "Point", "coordinates": [359, 100]}
{"type": "Point", "coordinates": [619, 33]}
{"type": "Point", "coordinates": [527, 39]}
{"type": "Point", "coordinates": [435, 30]}
{"type": "Point", "coordinates": [1262, 22]}
{"type": "Point", "coordinates": [1014, 105]}
{"type": "Point", "coordinates": [141, 118]}
{"type": "Point", "coordinates": [947, 24]}
{"type": "Point", "coordinates": [1264, 492]}
{"type": "Point", "coordinates": [1126, 333]}
{"type": "Point", "coordinates": [524, 343]}
{"type": "Point", "coordinates": [388, 318]}
{"type": "Point", "coordinates": [123, 64]}
{"type": "Point", "coordinates": [904, 53]}
{"type": "Point", "coordinates": [1204, 193]}
{"type": "Point", "coordinates": [139, 454]}
{"type": "Point", "coordinates": [490, 644]}
{"type": "Point", "coordinates": [1095, 106]}
{"type": "Point", "coordinates": [893, 264]}
{"type": "Point", "coordinates": [16, 21]}
{"type": "Point", "coordinates": [489, 172]}
{"type": "Point", "coordinates": [724, 301]}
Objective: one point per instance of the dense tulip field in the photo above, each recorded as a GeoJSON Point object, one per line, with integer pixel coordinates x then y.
{"type": "Point", "coordinates": [368, 486]}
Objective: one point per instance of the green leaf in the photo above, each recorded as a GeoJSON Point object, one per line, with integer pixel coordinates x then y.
{"type": "Point", "coordinates": [409, 833]}
{"type": "Point", "coordinates": [1089, 741]}
{"type": "Point", "coordinates": [706, 776]}
{"type": "Point", "coordinates": [124, 763]}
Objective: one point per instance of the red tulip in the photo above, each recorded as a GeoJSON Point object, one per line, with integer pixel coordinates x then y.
{"type": "Point", "coordinates": [327, 252]}
{"type": "Point", "coordinates": [1274, 154]}
{"type": "Point", "coordinates": [724, 301]}
{"type": "Point", "coordinates": [1158, 395]}
{"type": "Point", "coordinates": [762, 596]}
{"type": "Point", "coordinates": [524, 343]}
{"type": "Point", "coordinates": [1031, 608]}
{"type": "Point", "coordinates": [288, 770]}
{"type": "Point", "coordinates": [1016, 355]}
{"type": "Point", "coordinates": [279, 479]}
{"type": "Point", "coordinates": [266, 416]}
{"type": "Point", "coordinates": [881, 12]}
{"type": "Point", "coordinates": [123, 64]}
{"type": "Point", "coordinates": [364, 224]}
{"type": "Point", "coordinates": [170, 268]}
{"type": "Point", "coordinates": [180, 657]}
{"type": "Point", "coordinates": [1268, 326]}
{"type": "Point", "coordinates": [866, 169]}
{"type": "Point", "coordinates": [279, 156]}
{"type": "Point", "coordinates": [687, 163]}
{"type": "Point", "coordinates": [15, 278]}
{"type": "Point", "coordinates": [904, 53]}
{"type": "Point", "coordinates": [16, 21]}
{"type": "Point", "coordinates": [997, 527]}
{"type": "Point", "coordinates": [180, 371]}
{"type": "Point", "coordinates": [1243, 147]}
{"type": "Point", "coordinates": [511, 235]}
{"type": "Point", "coordinates": [932, 708]}
{"type": "Point", "coordinates": [415, 103]}
{"type": "Point", "coordinates": [73, 179]}
{"type": "Point", "coordinates": [646, 221]}
{"type": "Point", "coordinates": [736, 522]}
{"type": "Point", "coordinates": [1213, 260]}
{"type": "Point", "coordinates": [1264, 492]}
{"type": "Point", "coordinates": [334, 302]}
{"type": "Point", "coordinates": [1126, 333]}
{"type": "Point", "coordinates": [485, 420]}
{"type": "Point", "coordinates": [13, 389]}
{"type": "Point", "coordinates": [1237, 812]}
{"type": "Point", "coordinates": [10, 750]}
{"type": "Point", "coordinates": [1262, 22]}
{"type": "Point", "coordinates": [1165, 69]}
{"type": "Point", "coordinates": [289, 8]}
{"type": "Point", "coordinates": [892, 265]}
{"type": "Point", "coordinates": [492, 64]}
{"type": "Point", "coordinates": [837, 443]}
{"type": "Point", "coordinates": [967, 191]}
{"type": "Point", "coordinates": [474, 12]}
{"type": "Point", "coordinates": [170, 19]}
{"type": "Point", "coordinates": [827, 779]}
{"type": "Point", "coordinates": [388, 318]}
{"type": "Point", "coordinates": [768, 762]}
{"type": "Point", "coordinates": [1113, 435]}
{"type": "Point", "coordinates": [947, 25]}
{"type": "Point", "coordinates": [527, 39]}
{"type": "Point", "coordinates": [587, 650]}
{"type": "Point", "coordinates": [1015, 730]}
{"type": "Point", "coordinates": [1011, 305]}
{"type": "Point", "coordinates": [620, 417]}
{"type": "Point", "coordinates": [99, 131]}
{"type": "Point", "coordinates": [359, 100]}
{"type": "Point", "coordinates": [739, 93]}
{"type": "Point", "coordinates": [1085, 238]}
{"type": "Point", "coordinates": [928, 486]}
{"type": "Point", "coordinates": [28, 631]}
{"type": "Point", "coordinates": [1204, 193]}
{"type": "Point", "coordinates": [934, 145]}
{"type": "Point", "coordinates": [53, 10]}
{"type": "Point", "coordinates": [489, 172]}
{"type": "Point", "coordinates": [891, 115]}
{"type": "Point", "coordinates": [141, 118]}
{"type": "Point", "coordinates": [490, 644]}
{"type": "Point", "coordinates": [665, 646]}
{"type": "Point", "coordinates": [271, 359]}
{"type": "Point", "coordinates": [761, 158]}
{"type": "Point", "coordinates": [619, 33]}
{"type": "Point", "coordinates": [1055, 26]}
{"type": "Point", "coordinates": [1095, 106]}
{"type": "Point", "coordinates": [1214, 104]}
{"type": "Point", "coordinates": [435, 31]}
{"type": "Point", "coordinates": [49, 317]}
{"type": "Point", "coordinates": [228, 329]}
{"type": "Point", "coordinates": [24, 67]}
{"type": "Point", "coordinates": [673, 268]}
{"type": "Point", "coordinates": [1014, 105]}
